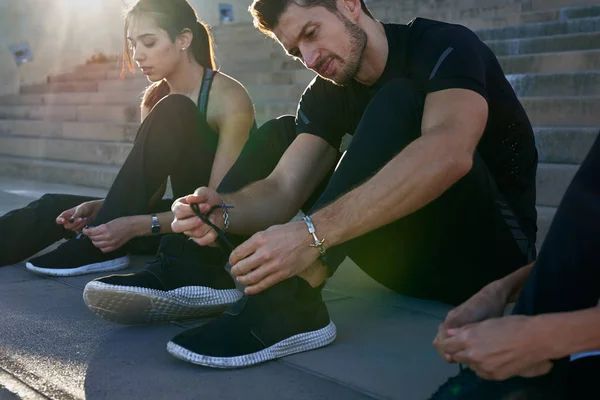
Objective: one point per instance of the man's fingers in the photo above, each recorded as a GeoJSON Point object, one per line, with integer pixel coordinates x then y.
{"type": "Point", "coordinates": [453, 344]}
{"type": "Point", "coordinates": [255, 275]}
{"type": "Point", "coordinates": [247, 264]}
{"type": "Point", "coordinates": [537, 370]}
{"type": "Point", "coordinates": [188, 225]}
{"type": "Point", "coordinates": [264, 284]}
{"type": "Point", "coordinates": [461, 357]}
{"type": "Point", "coordinates": [203, 239]}
{"type": "Point", "coordinates": [241, 252]}
{"type": "Point", "coordinates": [78, 227]}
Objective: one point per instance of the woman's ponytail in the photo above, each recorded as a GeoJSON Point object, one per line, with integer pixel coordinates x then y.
{"type": "Point", "coordinates": [154, 93]}
{"type": "Point", "coordinates": [203, 46]}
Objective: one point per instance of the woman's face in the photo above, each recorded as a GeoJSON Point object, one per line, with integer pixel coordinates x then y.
{"type": "Point", "coordinates": [152, 49]}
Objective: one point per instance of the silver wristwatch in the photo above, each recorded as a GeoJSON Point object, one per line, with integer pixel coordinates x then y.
{"type": "Point", "coordinates": [155, 227]}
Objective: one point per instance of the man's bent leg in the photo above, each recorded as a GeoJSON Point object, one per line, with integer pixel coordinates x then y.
{"type": "Point", "coordinates": [445, 251]}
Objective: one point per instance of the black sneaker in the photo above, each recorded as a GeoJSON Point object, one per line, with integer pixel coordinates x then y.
{"type": "Point", "coordinates": [287, 318]}
{"type": "Point", "coordinates": [77, 256]}
{"type": "Point", "coordinates": [186, 281]}
{"type": "Point", "coordinates": [468, 386]}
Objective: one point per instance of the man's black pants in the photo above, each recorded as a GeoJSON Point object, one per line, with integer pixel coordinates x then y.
{"type": "Point", "coordinates": [447, 250]}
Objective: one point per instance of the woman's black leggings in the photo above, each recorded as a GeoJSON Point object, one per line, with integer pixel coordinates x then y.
{"type": "Point", "coordinates": [174, 140]}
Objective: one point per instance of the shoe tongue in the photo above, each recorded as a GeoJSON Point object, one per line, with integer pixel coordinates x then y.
{"type": "Point", "coordinates": [291, 290]}
{"type": "Point", "coordinates": [173, 245]}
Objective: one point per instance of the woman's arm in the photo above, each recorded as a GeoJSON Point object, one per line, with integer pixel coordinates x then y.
{"type": "Point", "coordinates": [235, 117]}
{"type": "Point", "coordinates": [141, 224]}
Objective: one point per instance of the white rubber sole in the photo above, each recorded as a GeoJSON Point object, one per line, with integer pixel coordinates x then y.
{"type": "Point", "coordinates": [106, 266]}
{"type": "Point", "coordinates": [130, 305]}
{"type": "Point", "coordinates": [294, 344]}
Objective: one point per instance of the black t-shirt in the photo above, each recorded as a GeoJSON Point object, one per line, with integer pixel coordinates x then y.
{"type": "Point", "coordinates": [437, 56]}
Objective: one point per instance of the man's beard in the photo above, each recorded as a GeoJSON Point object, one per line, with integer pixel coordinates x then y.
{"type": "Point", "coordinates": [358, 43]}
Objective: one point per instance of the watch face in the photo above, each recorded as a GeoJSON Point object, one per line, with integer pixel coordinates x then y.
{"type": "Point", "coordinates": [155, 225]}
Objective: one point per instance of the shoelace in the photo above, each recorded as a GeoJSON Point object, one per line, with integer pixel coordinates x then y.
{"type": "Point", "coordinates": [224, 241]}
{"type": "Point", "coordinates": [453, 387]}
{"type": "Point", "coordinates": [207, 221]}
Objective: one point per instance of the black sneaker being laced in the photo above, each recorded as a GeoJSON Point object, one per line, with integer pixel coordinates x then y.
{"type": "Point", "coordinates": [468, 386]}
{"type": "Point", "coordinates": [185, 281]}
{"type": "Point", "coordinates": [287, 318]}
{"type": "Point", "coordinates": [77, 256]}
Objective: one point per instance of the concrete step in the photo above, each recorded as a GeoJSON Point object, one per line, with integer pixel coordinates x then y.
{"type": "Point", "coordinates": [114, 114]}
{"type": "Point", "coordinates": [545, 217]}
{"type": "Point", "coordinates": [583, 25]}
{"type": "Point", "coordinates": [283, 63]}
{"type": "Point", "coordinates": [297, 76]}
{"type": "Point", "coordinates": [267, 111]}
{"type": "Point", "coordinates": [275, 93]}
{"type": "Point", "coordinates": [563, 111]}
{"type": "Point", "coordinates": [552, 182]}
{"type": "Point", "coordinates": [113, 85]}
{"type": "Point", "coordinates": [93, 75]}
{"type": "Point", "coordinates": [532, 17]}
{"type": "Point", "coordinates": [97, 131]}
{"type": "Point", "coordinates": [103, 67]}
{"type": "Point", "coordinates": [564, 145]}
{"type": "Point", "coordinates": [547, 44]}
{"type": "Point", "coordinates": [395, 11]}
{"type": "Point", "coordinates": [81, 151]}
{"type": "Point", "coordinates": [131, 97]}
{"type": "Point", "coordinates": [100, 176]}
{"type": "Point", "coordinates": [556, 84]}
{"type": "Point", "coordinates": [570, 61]}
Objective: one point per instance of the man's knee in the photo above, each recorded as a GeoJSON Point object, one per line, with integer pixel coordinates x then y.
{"type": "Point", "coordinates": [396, 110]}
{"type": "Point", "coordinates": [399, 96]}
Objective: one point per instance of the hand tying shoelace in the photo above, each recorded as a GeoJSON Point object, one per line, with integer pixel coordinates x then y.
{"type": "Point", "coordinates": [224, 241]}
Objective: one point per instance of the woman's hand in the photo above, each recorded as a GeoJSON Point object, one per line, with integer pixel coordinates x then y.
{"type": "Point", "coordinates": [112, 235]}
{"type": "Point", "coordinates": [76, 218]}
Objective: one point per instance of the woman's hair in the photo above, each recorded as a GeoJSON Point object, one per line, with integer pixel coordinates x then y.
{"type": "Point", "coordinates": [173, 16]}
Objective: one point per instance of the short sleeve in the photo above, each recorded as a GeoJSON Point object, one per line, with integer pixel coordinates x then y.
{"type": "Point", "coordinates": [320, 112]}
{"type": "Point", "coordinates": [451, 56]}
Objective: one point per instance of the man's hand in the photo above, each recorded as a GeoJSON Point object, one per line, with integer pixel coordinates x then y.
{"type": "Point", "coordinates": [112, 235]}
{"type": "Point", "coordinates": [488, 303]}
{"type": "Point", "coordinates": [76, 218]}
{"type": "Point", "coordinates": [499, 348]}
{"type": "Point", "coordinates": [188, 223]}
{"type": "Point", "coordinates": [272, 256]}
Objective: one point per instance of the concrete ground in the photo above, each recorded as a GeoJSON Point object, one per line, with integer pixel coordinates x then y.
{"type": "Point", "coordinates": [52, 346]}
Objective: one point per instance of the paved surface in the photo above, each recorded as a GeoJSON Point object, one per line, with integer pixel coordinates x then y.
{"type": "Point", "coordinates": [52, 346]}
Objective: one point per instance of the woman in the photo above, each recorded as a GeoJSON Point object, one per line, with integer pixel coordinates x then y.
{"type": "Point", "coordinates": [183, 135]}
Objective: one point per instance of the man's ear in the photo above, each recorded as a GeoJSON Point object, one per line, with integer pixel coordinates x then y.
{"type": "Point", "coordinates": [351, 8]}
{"type": "Point", "coordinates": [184, 39]}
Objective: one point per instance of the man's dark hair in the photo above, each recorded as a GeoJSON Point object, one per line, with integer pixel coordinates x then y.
{"type": "Point", "coordinates": [266, 13]}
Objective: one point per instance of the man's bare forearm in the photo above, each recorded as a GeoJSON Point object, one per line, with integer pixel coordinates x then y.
{"type": "Point", "coordinates": [511, 285]}
{"type": "Point", "coordinates": [259, 206]}
{"type": "Point", "coordinates": [569, 333]}
{"type": "Point", "coordinates": [419, 174]}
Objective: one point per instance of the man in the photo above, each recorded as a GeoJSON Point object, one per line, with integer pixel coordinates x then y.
{"type": "Point", "coordinates": [434, 198]}
{"type": "Point", "coordinates": [555, 326]}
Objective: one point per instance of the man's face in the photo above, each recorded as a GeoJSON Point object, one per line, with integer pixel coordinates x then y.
{"type": "Point", "coordinates": [326, 42]}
